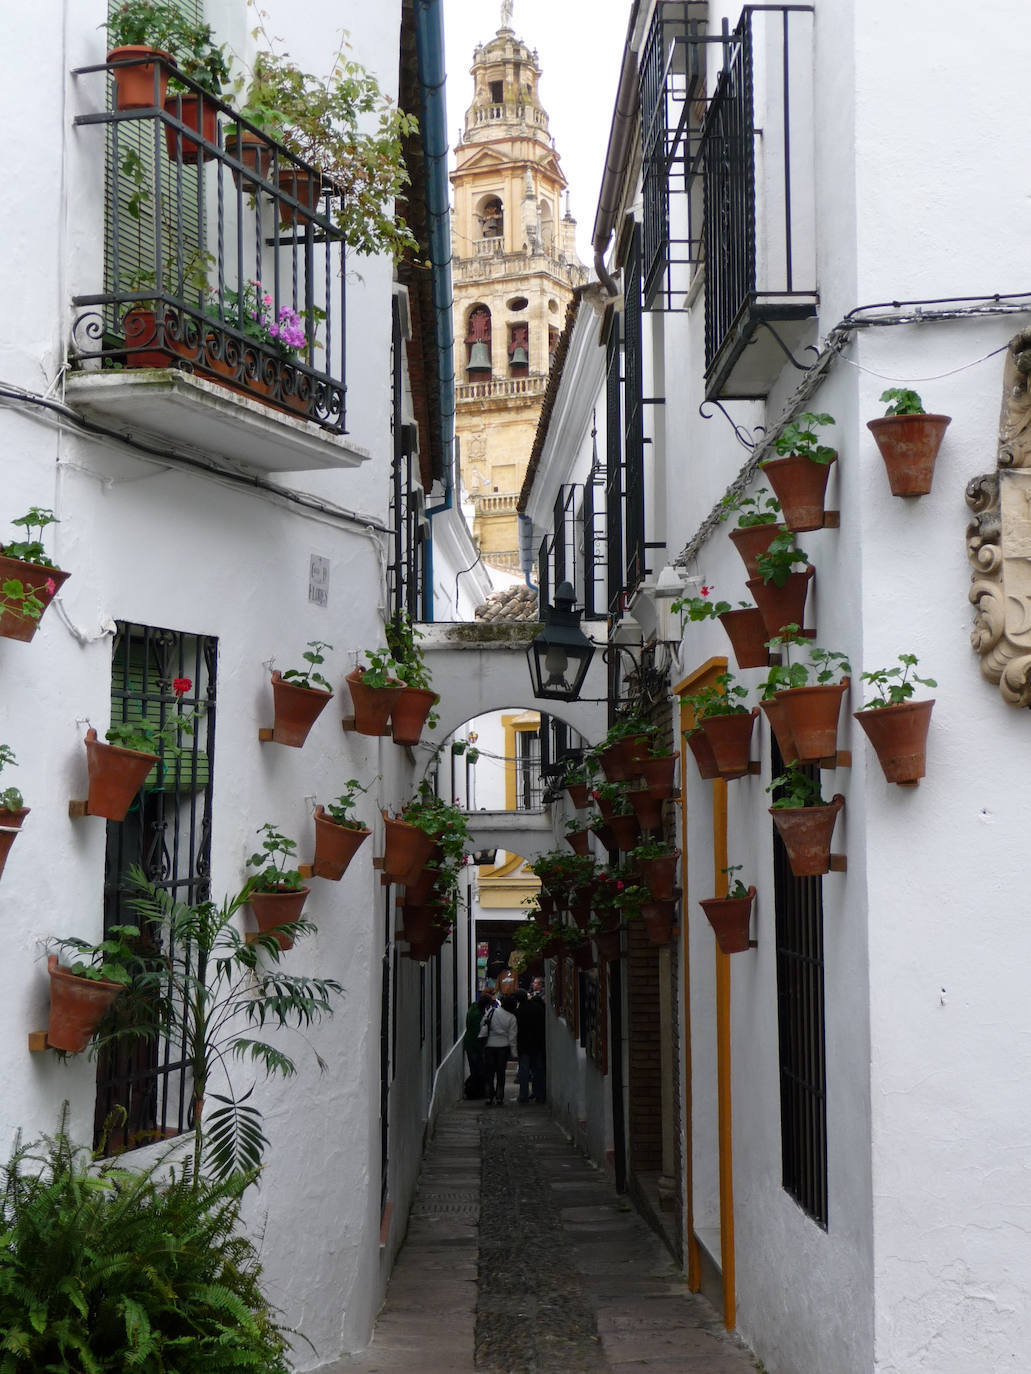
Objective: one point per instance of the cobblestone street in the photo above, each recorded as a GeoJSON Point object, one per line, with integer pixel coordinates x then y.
{"type": "Point", "coordinates": [520, 1259]}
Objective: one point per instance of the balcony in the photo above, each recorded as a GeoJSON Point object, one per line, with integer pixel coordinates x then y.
{"type": "Point", "coordinates": [501, 388]}
{"type": "Point", "coordinates": [224, 281]}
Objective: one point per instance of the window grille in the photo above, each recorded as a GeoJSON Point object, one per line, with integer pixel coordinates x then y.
{"type": "Point", "coordinates": [406, 568]}
{"type": "Point", "coordinates": [528, 777]}
{"type": "Point", "coordinates": [800, 1016]}
{"type": "Point", "coordinates": [167, 833]}
{"type": "Point", "coordinates": [613, 473]}
{"type": "Point", "coordinates": [633, 406]}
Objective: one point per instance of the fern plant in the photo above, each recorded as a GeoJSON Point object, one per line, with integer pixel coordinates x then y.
{"type": "Point", "coordinates": [106, 1269]}
{"type": "Point", "coordinates": [205, 993]}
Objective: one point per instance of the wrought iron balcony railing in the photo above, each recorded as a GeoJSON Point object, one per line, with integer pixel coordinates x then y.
{"type": "Point", "coordinates": [222, 255]}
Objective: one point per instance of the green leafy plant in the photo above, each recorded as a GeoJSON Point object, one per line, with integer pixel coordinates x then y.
{"type": "Point", "coordinates": [105, 1269]}
{"type": "Point", "coordinates": [531, 938]}
{"type": "Point", "coordinates": [760, 509]}
{"type": "Point", "coordinates": [252, 311]}
{"type": "Point", "coordinates": [794, 788]}
{"type": "Point", "coordinates": [800, 438]}
{"type": "Point", "coordinates": [458, 747]}
{"type": "Point", "coordinates": [725, 698]}
{"type": "Point", "coordinates": [449, 826]}
{"type": "Point", "coordinates": [339, 810]}
{"type": "Point", "coordinates": [10, 798]}
{"type": "Point", "coordinates": [895, 685]}
{"type": "Point", "coordinates": [206, 991]}
{"type": "Point", "coordinates": [273, 874]}
{"type": "Point", "coordinates": [577, 826]}
{"type": "Point", "coordinates": [647, 849]}
{"type": "Point", "coordinates": [381, 670]}
{"type": "Point", "coordinates": [310, 677]}
{"type": "Point", "coordinates": [735, 887]}
{"type": "Point", "coordinates": [825, 666]}
{"type": "Point", "coordinates": [562, 872]}
{"type": "Point", "coordinates": [902, 402]}
{"type": "Point", "coordinates": [147, 738]}
{"type": "Point", "coordinates": [614, 793]}
{"type": "Point", "coordinates": [778, 562]}
{"type": "Point", "coordinates": [700, 607]}
{"type": "Point", "coordinates": [349, 130]}
{"type": "Point", "coordinates": [403, 642]}
{"type": "Point", "coordinates": [828, 666]}
{"type": "Point", "coordinates": [14, 594]}
{"type": "Point", "coordinates": [164, 26]}
{"type": "Point", "coordinates": [617, 889]}
{"type": "Point", "coordinates": [116, 959]}
{"type": "Point", "coordinates": [472, 755]}
{"type": "Point", "coordinates": [583, 771]}
{"type": "Point", "coordinates": [627, 727]}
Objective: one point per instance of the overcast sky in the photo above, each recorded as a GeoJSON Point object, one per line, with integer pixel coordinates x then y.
{"type": "Point", "coordinates": [580, 46]}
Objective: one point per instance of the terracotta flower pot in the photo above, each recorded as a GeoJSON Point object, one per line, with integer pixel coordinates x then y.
{"type": "Point", "coordinates": [609, 943]}
{"type": "Point", "coordinates": [34, 577]}
{"type": "Point", "coordinates": [731, 741]}
{"type": "Point", "coordinates": [578, 795]}
{"type": "Point", "coordinates": [77, 1007]}
{"type": "Point", "coordinates": [421, 951]}
{"type": "Point", "coordinates": [423, 920]}
{"type": "Point", "coordinates": [253, 151]}
{"type": "Point", "coordinates": [746, 631]}
{"type": "Point", "coordinates": [7, 839]}
{"type": "Point", "coordinates": [305, 187]}
{"type": "Point", "coordinates": [546, 903]}
{"type": "Point", "coordinates": [618, 760]}
{"type": "Point", "coordinates": [134, 86]}
{"type": "Point", "coordinates": [579, 842]}
{"type": "Point", "coordinates": [780, 606]}
{"type": "Point", "coordinates": [909, 445]}
{"type": "Point", "coordinates": [812, 716]}
{"type": "Point", "coordinates": [701, 749]}
{"type": "Point", "coordinates": [626, 830]}
{"type": "Point", "coordinates": [372, 705]}
{"type": "Point", "coordinates": [12, 820]}
{"type": "Point", "coordinates": [583, 956]}
{"type": "Point", "coordinates": [296, 710]}
{"type": "Point", "coordinates": [419, 892]}
{"type": "Point", "coordinates": [197, 114]}
{"type": "Point", "coordinates": [115, 776]}
{"type": "Point", "coordinates": [658, 921]}
{"type": "Point", "coordinates": [753, 540]}
{"type": "Point", "coordinates": [659, 875]}
{"type": "Point", "coordinates": [604, 833]}
{"type": "Point", "coordinates": [405, 850]}
{"type": "Point", "coordinates": [647, 808]}
{"type": "Point", "coordinates": [658, 774]}
{"type": "Point", "coordinates": [806, 832]}
{"type": "Point", "coordinates": [800, 485]}
{"type": "Point", "coordinates": [729, 918]}
{"type": "Point", "coordinates": [335, 846]}
{"type": "Point", "coordinates": [774, 711]}
{"type": "Point", "coordinates": [580, 911]}
{"type": "Point", "coordinates": [275, 909]}
{"type": "Point", "coordinates": [899, 737]}
{"type": "Point", "coordinates": [410, 713]}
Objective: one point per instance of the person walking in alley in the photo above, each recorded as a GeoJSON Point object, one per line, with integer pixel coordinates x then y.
{"type": "Point", "coordinates": [531, 1038]}
{"type": "Point", "coordinates": [473, 1045]}
{"type": "Point", "coordinates": [498, 1036]}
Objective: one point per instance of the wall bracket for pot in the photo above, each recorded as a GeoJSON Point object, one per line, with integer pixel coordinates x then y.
{"type": "Point", "coordinates": [77, 809]}
{"type": "Point", "coordinates": [832, 520]}
{"type": "Point", "coordinates": [839, 863]}
{"type": "Point", "coordinates": [842, 759]}
{"type": "Point", "coordinates": [306, 870]}
{"type": "Point", "coordinates": [38, 1042]}
{"type": "Point", "coordinates": [266, 734]}
{"type": "Point", "coordinates": [378, 863]}
{"type": "Point", "coordinates": [347, 723]}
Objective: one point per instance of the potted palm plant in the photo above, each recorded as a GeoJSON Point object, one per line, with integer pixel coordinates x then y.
{"type": "Point", "coordinates": [375, 690]}
{"type": "Point", "coordinates": [299, 696]}
{"type": "Point", "coordinates": [29, 580]}
{"type": "Point", "coordinates": [909, 440]}
{"type": "Point", "coordinates": [82, 989]}
{"type": "Point", "coordinates": [338, 834]}
{"type": "Point", "coordinates": [779, 591]}
{"type": "Point", "coordinates": [12, 808]}
{"type": "Point", "coordinates": [896, 725]}
{"type": "Point", "coordinates": [276, 894]}
{"type": "Point", "coordinates": [413, 709]}
{"type": "Point", "coordinates": [799, 475]}
{"type": "Point", "coordinates": [758, 520]}
{"type": "Point", "coordinates": [804, 821]}
{"type": "Point", "coordinates": [730, 915]}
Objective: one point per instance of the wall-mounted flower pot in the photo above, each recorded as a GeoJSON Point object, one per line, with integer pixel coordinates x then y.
{"type": "Point", "coordinates": [44, 583]}
{"type": "Point", "coordinates": [812, 717]}
{"type": "Point", "coordinates": [305, 187]}
{"type": "Point", "coordinates": [296, 710]}
{"type": "Point", "coordinates": [421, 951]}
{"type": "Point", "coordinates": [77, 1007]}
{"type": "Point", "coordinates": [647, 808]}
{"type": "Point", "coordinates": [909, 445]}
{"type": "Point", "coordinates": [609, 943]}
{"type": "Point", "coordinates": [659, 875]}
{"type": "Point", "coordinates": [10, 825]}
{"type": "Point", "coordinates": [410, 713]}
{"type": "Point", "coordinates": [729, 918]}
{"type": "Point", "coordinates": [579, 842]}
{"type": "Point", "coordinates": [422, 921]}
{"type": "Point", "coordinates": [753, 540]}
{"type": "Point", "coordinates": [800, 485]}
{"type": "Point", "coordinates": [806, 832]}
{"type": "Point", "coordinates": [546, 905]}
{"type": "Point", "coordinates": [275, 909]}
{"type": "Point", "coordinates": [605, 835]}
{"type": "Point", "coordinates": [580, 911]}
{"type": "Point", "coordinates": [134, 85]}
{"type": "Point", "coordinates": [775, 712]}
{"type": "Point", "coordinates": [406, 849]}
{"type": "Point", "coordinates": [619, 761]}
{"type": "Point", "coordinates": [372, 705]}
{"type": "Point", "coordinates": [115, 776]}
{"type": "Point", "coordinates": [899, 736]}
{"type": "Point", "coordinates": [658, 921]}
{"type": "Point", "coordinates": [731, 741]}
{"type": "Point", "coordinates": [746, 631]}
{"type": "Point", "coordinates": [658, 774]}
{"type": "Point", "coordinates": [197, 114]}
{"type": "Point", "coordinates": [781, 606]}
{"type": "Point", "coordinates": [701, 749]}
{"type": "Point", "coordinates": [583, 956]}
{"type": "Point", "coordinates": [626, 830]}
{"type": "Point", "coordinates": [335, 846]}
{"type": "Point", "coordinates": [578, 795]}
{"type": "Point", "coordinates": [419, 892]}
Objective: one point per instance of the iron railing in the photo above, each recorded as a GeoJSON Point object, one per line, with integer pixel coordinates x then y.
{"type": "Point", "coordinates": [217, 238]}
{"type": "Point", "coordinates": [406, 566]}
{"type": "Point", "coordinates": [633, 420]}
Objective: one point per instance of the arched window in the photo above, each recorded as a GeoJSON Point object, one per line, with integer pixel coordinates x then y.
{"type": "Point", "coordinates": [477, 343]}
{"type": "Point", "coordinates": [547, 227]}
{"type": "Point", "coordinates": [492, 218]}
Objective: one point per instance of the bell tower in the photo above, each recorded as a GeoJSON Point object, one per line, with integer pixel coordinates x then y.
{"type": "Point", "coordinates": [514, 270]}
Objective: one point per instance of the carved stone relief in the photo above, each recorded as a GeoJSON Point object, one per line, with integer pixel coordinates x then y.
{"type": "Point", "coordinates": [999, 539]}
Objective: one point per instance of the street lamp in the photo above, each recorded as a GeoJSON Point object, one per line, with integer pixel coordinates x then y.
{"type": "Point", "coordinates": [561, 654]}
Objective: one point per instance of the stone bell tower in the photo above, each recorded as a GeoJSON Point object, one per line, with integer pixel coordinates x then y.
{"type": "Point", "coordinates": [515, 267]}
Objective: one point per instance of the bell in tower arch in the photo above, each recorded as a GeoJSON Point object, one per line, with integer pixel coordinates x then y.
{"type": "Point", "coordinates": [479, 359]}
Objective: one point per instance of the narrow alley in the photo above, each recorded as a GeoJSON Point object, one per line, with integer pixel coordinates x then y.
{"type": "Point", "coordinates": [521, 1259]}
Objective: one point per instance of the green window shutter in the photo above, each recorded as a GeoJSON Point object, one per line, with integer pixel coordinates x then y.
{"type": "Point", "coordinates": [137, 696]}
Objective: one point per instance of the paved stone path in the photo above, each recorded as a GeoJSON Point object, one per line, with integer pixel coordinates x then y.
{"type": "Point", "coordinates": [520, 1259]}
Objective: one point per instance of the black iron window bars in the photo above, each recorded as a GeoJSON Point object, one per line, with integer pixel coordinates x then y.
{"type": "Point", "coordinates": [222, 255]}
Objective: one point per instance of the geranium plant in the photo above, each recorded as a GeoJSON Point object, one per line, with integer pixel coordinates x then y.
{"type": "Point", "coordinates": [780, 559]}
{"type": "Point", "coordinates": [794, 788]}
{"type": "Point", "coordinates": [10, 798]}
{"type": "Point", "coordinates": [381, 670]}
{"type": "Point", "coordinates": [614, 794]}
{"type": "Point", "coordinates": [339, 810]}
{"type": "Point", "coordinates": [760, 509]}
{"type": "Point", "coordinates": [800, 438]}
{"type": "Point", "coordinates": [735, 887]}
{"type": "Point", "coordinates": [14, 594]}
{"type": "Point", "coordinates": [895, 685]}
{"type": "Point", "coordinates": [147, 738]}
{"type": "Point", "coordinates": [271, 863]}
{"type": "Point", "coordinates": [310, 677]}
{"type": "Point", "coordinates": [162, 25]}
{"type": "Point", "coordinates": [252, 311]}
{"type": "Point", "coordinates": [902, 402]}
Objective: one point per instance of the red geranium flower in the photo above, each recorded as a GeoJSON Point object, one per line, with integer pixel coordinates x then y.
{"type": "Point", "coordinates": [181, 686]}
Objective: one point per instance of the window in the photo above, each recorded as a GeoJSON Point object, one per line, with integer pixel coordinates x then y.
{"type": "Point", "coordinates": [167, 832]}
{"type": "Point", "coordinates": [477, 341]}
{"type": "Point", "coordinates": [633, 417]}
{"type": "Point", "coordinates": [407, 566]}
{"type": "Point", "coordinates": [528, 763]}
{"type": "Point", "coordinates": [497, 92]}
{"type": "Point", "coordinates": [492, 218]}
{"type": "Point", "coordinates": [613, 472]}
{"type": "Point", "coordinates": [800, 1017]}
{"type": "Point", "coordinates": [518, 350]}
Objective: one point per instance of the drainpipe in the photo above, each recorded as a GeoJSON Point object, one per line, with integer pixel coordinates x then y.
{"type": "Point", "coordinates": [616, 158]}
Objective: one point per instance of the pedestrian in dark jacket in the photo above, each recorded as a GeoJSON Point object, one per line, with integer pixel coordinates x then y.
{"type": "Point", "coordinates": [474, 1045]}
{"type": "Point", "coordinates": [531, 1020]}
